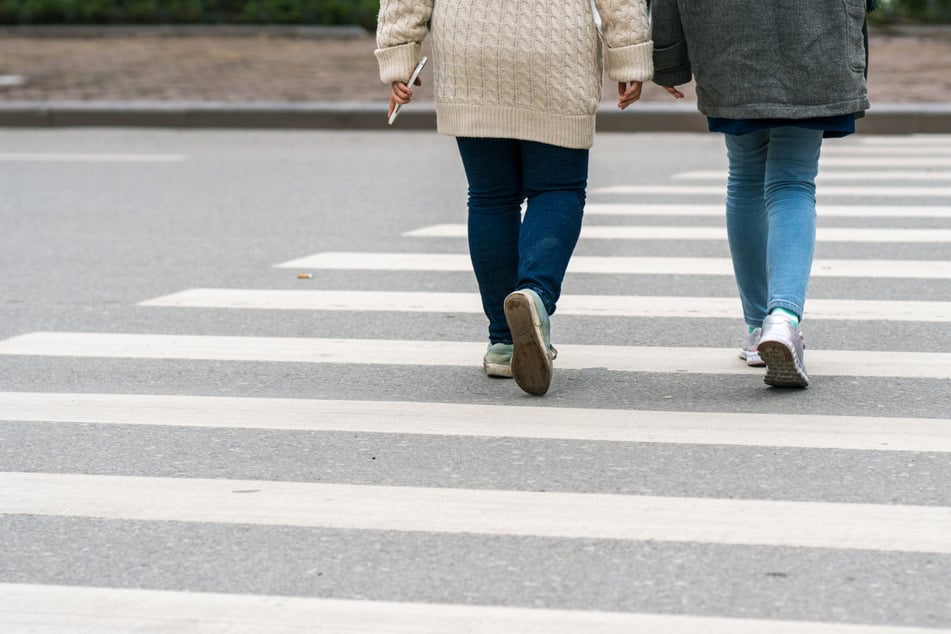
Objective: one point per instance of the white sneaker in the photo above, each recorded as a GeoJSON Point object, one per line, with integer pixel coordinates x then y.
{"type": "Point", "coordinates": [782, 348]}
{"type": "Point", "coordinates": [749, 351]}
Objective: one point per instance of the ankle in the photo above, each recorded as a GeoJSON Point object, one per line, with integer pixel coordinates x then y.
{"type": "Point", "coordinates": [788, 314]}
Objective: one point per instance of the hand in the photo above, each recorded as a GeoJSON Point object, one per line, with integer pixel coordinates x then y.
{"type": "Point", "coordinates": [401, 94]}
{"type": "Point", "coordinates": [628, 93]}
{"type": "Point", "coordinates": [676, 94]}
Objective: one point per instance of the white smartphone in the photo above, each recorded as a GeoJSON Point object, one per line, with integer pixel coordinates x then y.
{"type": "Point", "coordinates": [412, 80]}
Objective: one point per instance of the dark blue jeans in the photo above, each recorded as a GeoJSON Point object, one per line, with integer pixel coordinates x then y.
{"type": "Point", "coordinates": [508, 252]}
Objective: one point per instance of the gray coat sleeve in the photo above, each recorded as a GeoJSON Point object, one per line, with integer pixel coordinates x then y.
{"type": "Point", "coordinates": [671, 60]}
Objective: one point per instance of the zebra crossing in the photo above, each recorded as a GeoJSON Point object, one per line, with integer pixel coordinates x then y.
{"type": "Point", "coordinates": [654, 359]}
{"type": "Point", "coordinates": [664, 507]}
{"type": "Point", "coordinates": [459, 419]}
{"type": "Point", "coordinates": [638, 306]}
{"type": "Point", "coordinates": [443, 510]}
{"type": "Point", "coordinates": [636, 232]}
{"type": "Point", "coordinates": [128, 609]}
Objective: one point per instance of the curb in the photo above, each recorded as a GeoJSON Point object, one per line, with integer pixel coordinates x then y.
{"type": "Point", "coordinates": [883, 119]}
{"type": "Point", "coordinates": [89, 31]}
{"type": "Point", "coordinates": [883, 29]}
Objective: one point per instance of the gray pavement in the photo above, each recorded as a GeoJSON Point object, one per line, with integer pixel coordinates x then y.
{"type": "Point", "coordinates": [138, 214]}
{"type": "Point", "coordinates": [584, 575]}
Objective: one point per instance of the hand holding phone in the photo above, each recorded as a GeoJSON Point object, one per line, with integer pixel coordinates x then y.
{"type": "Point", "coordinates": [412, 80]}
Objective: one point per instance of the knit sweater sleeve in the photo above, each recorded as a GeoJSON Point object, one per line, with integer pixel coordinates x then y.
{"type": "Point", "coordinates": [401, 29]}
{"type": "Point", "coordinates": [627, 36]}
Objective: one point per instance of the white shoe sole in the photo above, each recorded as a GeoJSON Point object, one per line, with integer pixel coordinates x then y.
{"type": "Point", "coordinates": [752, 359]}
{"type": "Point", "coordinates": [499, 370]}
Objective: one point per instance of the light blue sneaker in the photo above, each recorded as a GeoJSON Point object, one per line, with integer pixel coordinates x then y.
{"type": "Point", "coordinates": [498, 360]}
{"type": "Point", "coordinates": [531, 336]}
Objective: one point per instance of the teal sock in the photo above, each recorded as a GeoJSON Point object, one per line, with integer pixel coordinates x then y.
{"type": "Point", "coordinates": [791, 316]}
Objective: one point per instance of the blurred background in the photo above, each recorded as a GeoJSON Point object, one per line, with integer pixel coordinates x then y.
{"type": "Point", "coordinates": [313, 12]}
{"type": "Point", "coordinates": [319, 51]}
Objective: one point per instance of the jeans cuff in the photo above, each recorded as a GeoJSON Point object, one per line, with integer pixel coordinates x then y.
{"type": "Point", "coordinates": [780, 303]}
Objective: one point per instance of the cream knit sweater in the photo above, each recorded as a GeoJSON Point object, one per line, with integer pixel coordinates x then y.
{"type": "Point", "coordinates": [519, 69]}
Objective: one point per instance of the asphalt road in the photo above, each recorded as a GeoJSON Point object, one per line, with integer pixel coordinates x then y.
{"type": "Point", "coordinates": [221, 415]}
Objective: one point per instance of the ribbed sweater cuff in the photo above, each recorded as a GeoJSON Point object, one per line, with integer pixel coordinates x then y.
{"type": "Point", "coordinates": [397, 63]}
{"type": "Point", "coordinates": [631, 63]}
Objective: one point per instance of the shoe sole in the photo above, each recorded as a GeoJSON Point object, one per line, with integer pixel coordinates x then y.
{"type": "Point", "coordinates": [531, 366]}
{"type": "Point", "coordinates": [752, 359]}
{"type": "Point", "coordinates": [782, 368]}
{"type": "Point", "coordinates": [498, 370]}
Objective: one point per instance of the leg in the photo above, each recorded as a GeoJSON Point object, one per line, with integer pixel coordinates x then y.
{"type": "Point", "coordinates": [790, 191]}
{"type": "Point", "coordinates": [746, 221]}
{"type": "Point", "coordinates": [555, 181]}
{"type": "Point", "coordinates": [494, 171]}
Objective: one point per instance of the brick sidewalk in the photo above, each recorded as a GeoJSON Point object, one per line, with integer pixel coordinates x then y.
{"type": "Point", "coordinates": [907, 66]}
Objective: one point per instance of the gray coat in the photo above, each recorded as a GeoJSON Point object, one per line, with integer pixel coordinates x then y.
{"type": "Point", "coordinates": [764, 59]}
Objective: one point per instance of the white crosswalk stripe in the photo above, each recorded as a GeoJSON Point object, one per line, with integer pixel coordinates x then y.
{"type": "Point", "coordinates": [651, 232]}
{"type": "Point", "coordinates": [677, 360]}
{"type": "Point", "coordinates": [591, 305]}
{"type": "Point", "coordinates": [822, 192]}
{"type": "Point", "coordinates": [34, 157]}
{"type": "Point", "coordinates": [823, 211]}
{"type": "Point", "coordinates": [558, 515]}
{"type": "Point", "coordinates": [831, 149]}
{"type": "Point", "coordinates": [459, 419]}
{"type": "Point", "coordinates": [38, 608]}
{"type": "Point", "coordinates": [911, 142]}
{"type": "Point", "coordinates": [886, 161]}
{"type": "Point", "coordinates": [375, 512]}
{"type": "Point", "coordinates": [869, 175]}
{"type": "Point", "coordinates": [335, 260]}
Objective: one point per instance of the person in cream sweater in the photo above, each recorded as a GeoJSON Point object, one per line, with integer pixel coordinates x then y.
{"type": "Point", "coordinates": [518, 83]}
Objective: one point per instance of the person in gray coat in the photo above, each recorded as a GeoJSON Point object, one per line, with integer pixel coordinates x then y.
{"type": "Point", "coordinates": [775, 78]}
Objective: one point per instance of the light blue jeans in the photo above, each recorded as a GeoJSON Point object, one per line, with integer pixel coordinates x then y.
{"type": "Point", "coordinates": [771, 217]}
